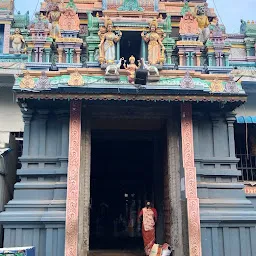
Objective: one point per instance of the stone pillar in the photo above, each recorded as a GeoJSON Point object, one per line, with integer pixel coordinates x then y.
{"type": "Point", "coordinates": [78, 55]}
{"type": "Point", "coordinates": [174, 187]}
{"type": "Point", "coordinates": [71, 55]}
{"type": "Point", "coordinates": [194, 230]}
{"type": "Point", "coordinates": [85, 176]}
{"type": "Point", "coordinates": [43, 116]}
{"type": "Point", "coordinates": [143, 50]}
{"type": "Point", "coordinates": [41, 51]}
{"type": "Point", "coordinates": [36, 54]}
{"type": "Point", "coordinates": [29, 55]}
{"type": "Point", "coordinates": [7, 33]}
{"type": "Point", "coordinates": [169, 56]}
{"type": "Point", "coordinates": [47, 54]}
{"type": "Point", "coordinates": [67, 55]}
{"type": "Point", "coordinates": [91, 55]}
{"type": "Point", "coordinates": [27, 116]}
{"type": "Point", "coordinates": [215, 129]}
{"type": "Point", "coordinates": [118, 50]}
{"type": "Point", "coordinates": [198, 59]}
{"type": "Point", "coordinates": [188, 58]}
{"type": "Point", "coordinates": [181, 58]}
{"type": "Point", "coordinates": [60, 52]}
{"type": "Point", "coordinates": [231, 118]}
{"type": "Point", "coordinates": [210, 59]}
{"type": "Point", "coordinates": [72, 202]}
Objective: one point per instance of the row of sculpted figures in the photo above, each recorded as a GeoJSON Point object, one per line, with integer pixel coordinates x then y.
{"type": "Point", "coordinates": [108, 39]}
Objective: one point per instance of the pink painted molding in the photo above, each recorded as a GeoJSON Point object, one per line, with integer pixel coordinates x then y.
{"type": "Point", "coordinates": [7, 33]}
{"type": "Point", "coordinates": [71, 235]}
{"type": "Point", "coordinates": [194, 230]}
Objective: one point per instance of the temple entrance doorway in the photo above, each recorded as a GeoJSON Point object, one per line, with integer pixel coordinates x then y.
{"type": "Point", "coordinates": [126, 170]}
{"type": "Point", "coordinates": [130, 44]}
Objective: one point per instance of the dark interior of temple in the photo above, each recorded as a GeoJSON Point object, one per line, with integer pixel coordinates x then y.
{"type": "Point", "coordinates": [121, 181]}
{"type": "Point", "coordinates": [130, 45]}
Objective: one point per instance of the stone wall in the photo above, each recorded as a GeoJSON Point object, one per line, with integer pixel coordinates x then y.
{"type": "Point", "coordinates": [36, 215]}
{"type": "Point", "coordinates": [10, 115]}
{"type": "Point", "coordinates": [228, 218]}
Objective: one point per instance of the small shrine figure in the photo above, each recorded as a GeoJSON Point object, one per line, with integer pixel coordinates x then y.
{"type": "Point", "coordinates": [203, 22]}
{"type": "Point", "coordinates": [17, 41]}
{"type": "Point", "coordinates": [131, 69]}
{"type": "Point", "coordinates": [155, 46]}
{"type": "Point", "coordinates": [107, 43]}
{"type": "Point", "coordinates": [54, 17]}
{"type": "Point", "coordinates": [188, 25]}
{"type": "Point", "coordinates": [149, 218]}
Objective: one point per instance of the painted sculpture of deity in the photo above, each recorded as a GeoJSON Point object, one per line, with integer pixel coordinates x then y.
{"type": "Point", "coordinates": [155, 46]}
{"type": "Point", "coordinates": [131, 69]}
{"type": "Point", "coordinates": [107, 42]}
{"type": "Point", "coordinates": [17, 41]}
{"type": "Point", "coordinates": [201, 12]}
{"type": "Point", "coordinates": [189, 25]}
{"type": "Point", "coordinates": [54, 17]}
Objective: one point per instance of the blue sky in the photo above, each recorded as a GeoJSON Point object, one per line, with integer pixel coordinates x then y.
{"type": "Point", "coordinates": [230, 11]}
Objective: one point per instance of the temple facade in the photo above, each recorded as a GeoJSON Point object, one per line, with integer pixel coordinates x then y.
{"type": "Point", "coordinates": [125, 101]}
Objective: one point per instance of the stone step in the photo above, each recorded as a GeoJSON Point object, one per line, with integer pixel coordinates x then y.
{"type": "Point", "coordinates": [115, 253]}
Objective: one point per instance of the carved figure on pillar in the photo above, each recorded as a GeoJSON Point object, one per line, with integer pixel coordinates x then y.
{"type": "Point", "coordinates": [54, 17]}
{"type": "Point", "coordinates": [155, 46]}
{"type": "Point", "coordinates": [107, 43]}
{"type": "Point", "coordinates": [17, 41]}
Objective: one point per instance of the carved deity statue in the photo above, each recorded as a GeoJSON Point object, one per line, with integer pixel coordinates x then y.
{"type": "Point", "coordinates": [188, 25]}
{"type": "Point", "coordinates": [201, 12]}
{"type": "Point", "coordinates": [155, 46]}
{"type": "Point", "coordinates": [17, 41]}
{"type": "Point", "coordinates": [54, 17]}
{"type": "Point", "coordinates": [131, 69]}
{"type": "Point", "coordinates": [107, 42]}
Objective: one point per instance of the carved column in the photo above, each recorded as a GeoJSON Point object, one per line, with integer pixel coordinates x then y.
{"type": "Point", "coordinates": [7, 33]}
{"type": "Point", "coordinates": [174, 187]}
{"type": "Point", "coordinates": [198, 60]}
{"type": "Point", "coordinates": [60, 52]}
{"type": "Point", "coordinates": [193, 213]}
{"type": "Point", "coordinates": [67, 55]}
{"type": "Point", "coordinates": [27, 116]}
{"type": "Point", "coordinates": [231, 118]}
{"type": "Point", "coordinates": [188, 58]}
{"type": "Point", "coordinates": [181, 58]}
{"type": "Point", "coordinates": [47, 54]}
{"type": "Point", "coordinates": [71, 55]}
{"type": "Point", "coordinates": [84, 202]}
{"type": "Point", "coordinates": [78, 55]}
{"type": "Point", "coordinates": [215, 129]}
{"type": "Point", "coordinates": [43, 116]}
{"type": "Point", "coordinates": [72, 202]}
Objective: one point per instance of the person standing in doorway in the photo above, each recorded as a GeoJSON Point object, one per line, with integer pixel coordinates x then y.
{"type": "Point", "coordinates": [149, 218]}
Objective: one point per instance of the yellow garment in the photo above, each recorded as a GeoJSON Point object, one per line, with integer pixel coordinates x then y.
{"type": "Point", "coordinates": [203, 21]}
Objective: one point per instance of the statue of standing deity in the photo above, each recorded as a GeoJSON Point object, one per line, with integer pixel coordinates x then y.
{"type": "Point", "coordinates": [107, 43]}
{"type": "Point", "coordinates": [17, 41]}
{"type": "Point", "coordinates": [155, 46]}
{"type": "Point", "coordinates": [54, 17]}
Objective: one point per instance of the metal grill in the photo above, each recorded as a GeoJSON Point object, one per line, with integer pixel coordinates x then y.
{"type": "Point", "coordinates": [247, 165]}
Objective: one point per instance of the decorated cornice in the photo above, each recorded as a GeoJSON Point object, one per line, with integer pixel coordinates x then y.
{"type": "Point", "coordinates": [178, 87]}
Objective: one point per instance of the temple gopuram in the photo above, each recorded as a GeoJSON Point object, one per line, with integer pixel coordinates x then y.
{"type": "Point", "coordinates": [125, 101]}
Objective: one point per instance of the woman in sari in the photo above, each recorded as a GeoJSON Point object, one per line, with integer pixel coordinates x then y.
{"type": "Point", "coordinates": [155, 46]}
{"type": "Point", "coordinates": [107, 43]}
{"type": "Point", "coordinates": [149, 218]}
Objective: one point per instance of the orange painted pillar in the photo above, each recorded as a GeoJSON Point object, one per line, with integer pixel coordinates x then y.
{"type": "Point", "coordinates": [194, 230]}
{"type": "Point", "coordinates": [71, 232]}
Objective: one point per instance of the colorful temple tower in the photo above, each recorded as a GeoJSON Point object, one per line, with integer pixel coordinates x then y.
{"type": "Point", "coordinates": [124, 101]}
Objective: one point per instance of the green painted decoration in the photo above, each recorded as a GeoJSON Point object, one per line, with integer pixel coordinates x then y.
{"type": "Point", "coordinates": [130, 5]}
